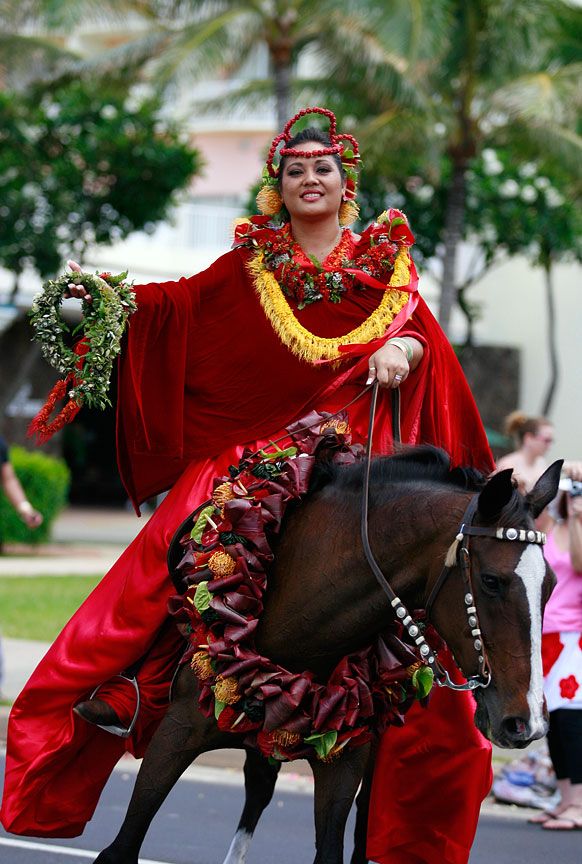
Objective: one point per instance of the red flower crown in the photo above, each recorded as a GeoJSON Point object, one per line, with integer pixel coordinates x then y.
{"type": "Point", "coordinates": [343, 145]}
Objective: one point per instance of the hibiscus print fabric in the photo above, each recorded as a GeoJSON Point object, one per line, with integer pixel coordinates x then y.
{"type": "Point", "coordinates": [562, 663]}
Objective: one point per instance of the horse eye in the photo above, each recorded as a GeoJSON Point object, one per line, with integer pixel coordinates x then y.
{"type": "Point", "coordinates": [490, 582]}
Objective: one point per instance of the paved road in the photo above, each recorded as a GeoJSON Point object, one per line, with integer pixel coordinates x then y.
{"type": "Point", "coordinates": [196, 822]}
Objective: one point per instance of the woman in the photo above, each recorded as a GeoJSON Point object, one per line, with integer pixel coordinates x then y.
{"type": "Point", "coordinates": [562, 657]}
{"type": "Point", "coordinates": [533, 437]}
{"type": "Point", "coordinates": [297, 317]}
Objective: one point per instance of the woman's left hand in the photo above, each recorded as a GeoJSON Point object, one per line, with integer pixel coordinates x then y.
{"type": "Point", "coordinates": [389, 365]}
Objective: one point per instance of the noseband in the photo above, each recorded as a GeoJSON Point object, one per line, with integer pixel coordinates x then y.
{"type": "Point", "coordinates": [462, 561]}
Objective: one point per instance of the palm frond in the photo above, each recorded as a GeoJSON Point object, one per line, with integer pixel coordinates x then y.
{"type": "Point", "coordinates": [548, 96]}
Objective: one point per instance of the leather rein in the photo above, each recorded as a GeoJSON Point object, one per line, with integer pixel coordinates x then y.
{"type": "Point", "coordinates": [462, 561]}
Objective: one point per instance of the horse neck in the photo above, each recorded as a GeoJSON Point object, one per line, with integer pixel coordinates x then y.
{"type": "Point", "coordinates": [324, 600]}
{"type": "Point", "coordinates": [410, 536]}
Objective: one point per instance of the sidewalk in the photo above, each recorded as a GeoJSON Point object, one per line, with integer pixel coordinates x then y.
{"type": "Point", "coordinates": [84, 541]}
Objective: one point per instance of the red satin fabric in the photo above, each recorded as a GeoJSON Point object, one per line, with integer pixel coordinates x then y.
{"type": "Point", "coordinates": [202, 373]}
{"type": "Point", "coordinates": [430, 780]}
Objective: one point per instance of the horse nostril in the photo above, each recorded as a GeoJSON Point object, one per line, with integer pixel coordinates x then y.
{"type": "Point", "coordinates": [515, 727]}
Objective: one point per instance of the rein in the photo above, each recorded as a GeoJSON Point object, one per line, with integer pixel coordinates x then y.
{"type": "Point", "coordinates": [462, 559]}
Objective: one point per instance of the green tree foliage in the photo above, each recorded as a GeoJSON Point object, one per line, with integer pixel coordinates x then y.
{"type": "Point", "coordinates": [81, 166]}
{"type": "Point", "coordinates": [46, 481]}
{"type": "Point", "coordinates": [490, 73]}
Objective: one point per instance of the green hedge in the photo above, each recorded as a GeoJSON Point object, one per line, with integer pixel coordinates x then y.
{"type": "Point", "coordinates": [45, 481]}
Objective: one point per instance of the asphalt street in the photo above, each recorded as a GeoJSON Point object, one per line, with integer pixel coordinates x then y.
{"type": "Point", "coordinates": [197, 821]}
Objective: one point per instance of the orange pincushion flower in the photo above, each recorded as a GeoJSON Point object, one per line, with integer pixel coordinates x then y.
{"type": "Point", "coordinates": [269, 200]}
{"type": "Point", "coordinates": [226, 690]}
{"type": "Point", "coordinates": [222, 494]}
{"type": "Point", "coordinates": [201, 665]}
{"type": "Point", "coordinates": [286, 738]}
{"type": "Point", "coordinates": [221, 564]}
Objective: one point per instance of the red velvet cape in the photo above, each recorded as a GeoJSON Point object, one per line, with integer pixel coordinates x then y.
{"type": "Point", "coordinates": [203, 370]}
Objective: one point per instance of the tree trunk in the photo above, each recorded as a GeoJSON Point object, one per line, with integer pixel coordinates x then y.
{"type": "Point", "coordinates": [14, 291]}
{"type": "Point", "coordinates": [282, 75]}
{"type": "Point", "coordinates": [454, 227]}
{"type": "Point", "coordinates": [552, 339]}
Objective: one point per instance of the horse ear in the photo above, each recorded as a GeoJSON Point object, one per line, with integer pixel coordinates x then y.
{"type": "Point", "coordinates": [496, 493]}
{"type": "Point", "coordinates": [545, 489]}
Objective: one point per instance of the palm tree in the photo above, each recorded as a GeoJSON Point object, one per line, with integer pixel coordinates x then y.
{"type": "Point", "coordinates": [492, 75]}
{"type": "Point", "coordinates": [26, 53]}
{"type": "Point", "coordinates": [165, 40]}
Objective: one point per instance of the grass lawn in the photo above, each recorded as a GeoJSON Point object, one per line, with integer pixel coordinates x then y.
{"type": "Point", "coordinates": [37, 607]}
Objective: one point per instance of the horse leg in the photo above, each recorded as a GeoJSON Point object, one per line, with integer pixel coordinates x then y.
{"type": "Point", "coordinates": [260, 779]}
{"type": "Point", "coordinates": [359, 855]}
{"type": "Point", "coordinates": [336, 784]}
{"type": "Point", "coordinates": [181, 736]}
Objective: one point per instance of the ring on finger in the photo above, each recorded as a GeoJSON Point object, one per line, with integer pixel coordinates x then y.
{"type": "Point", "coordinates": [398, 377]}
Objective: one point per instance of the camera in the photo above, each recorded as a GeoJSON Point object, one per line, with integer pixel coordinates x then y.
{"type": "Point", "coordinates": [572, 487]}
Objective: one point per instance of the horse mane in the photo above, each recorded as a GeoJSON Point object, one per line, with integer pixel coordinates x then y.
{"type": "Point", "coordinates": [423, 464]}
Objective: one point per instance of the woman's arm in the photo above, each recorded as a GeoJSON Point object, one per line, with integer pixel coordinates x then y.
{"type": "Point", "coordinates": [392, 363]}
{"type": "Point", "coordinates": [16, 495]}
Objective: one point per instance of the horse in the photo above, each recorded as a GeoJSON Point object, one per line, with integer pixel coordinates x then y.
{"type": "Point", "coordinates": [421, 517]}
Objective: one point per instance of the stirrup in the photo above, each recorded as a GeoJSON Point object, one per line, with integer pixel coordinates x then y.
{"type": "Point", "coordinates": [120, 731]}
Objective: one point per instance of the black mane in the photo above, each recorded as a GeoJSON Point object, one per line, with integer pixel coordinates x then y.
{"type": "Point", "coordinates": [424, 464]}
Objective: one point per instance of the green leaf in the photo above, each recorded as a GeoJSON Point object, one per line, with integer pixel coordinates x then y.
{"type": "Point", "coordinates": [348, 154]}
{"type": "Point", "coordinates": [397, 221]}
{"type": "Point", "coordinates": [279, 454]}
{"type": "Point", "coordinates": [218, 708]}
{"type": "Point", "coordinates": [322, 742]}
{"type": "Point", "coordinates": [422, 681]}
{"type": "Point", "coordinates": [117, 280]}
{"type": "Point", "coordinates": [202, 598]}
{"type": "Point", "coordinates": [200, 524]}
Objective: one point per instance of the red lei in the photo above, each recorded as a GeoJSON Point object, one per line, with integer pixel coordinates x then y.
{"type": "Point", "coordinates": [224, 576]}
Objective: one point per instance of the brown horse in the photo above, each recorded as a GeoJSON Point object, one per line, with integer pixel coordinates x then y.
{"type": "Point", "coordinates": [416, 509]}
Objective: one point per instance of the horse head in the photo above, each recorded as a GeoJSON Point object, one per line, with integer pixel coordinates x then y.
{"type": "Point", "coordinates": [509, 585]}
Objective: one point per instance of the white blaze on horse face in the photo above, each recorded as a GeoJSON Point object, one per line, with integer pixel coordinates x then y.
{"type": "Point", "coordinates": [531, 569]}
{"type": "Point", "coordinates": [237, 854]}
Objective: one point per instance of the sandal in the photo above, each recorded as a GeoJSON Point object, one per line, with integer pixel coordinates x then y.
{"type": "Point", "coordinates": [543, 817]}
{"type": "Point", "coordinates": [564, 822]}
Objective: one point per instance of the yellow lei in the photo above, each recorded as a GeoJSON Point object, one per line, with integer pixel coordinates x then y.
{"type": "Point", "coordinates": [305, 344]}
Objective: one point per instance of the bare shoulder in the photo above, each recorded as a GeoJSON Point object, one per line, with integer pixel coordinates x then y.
{"type": "Point", "coordinates": [510, 460]}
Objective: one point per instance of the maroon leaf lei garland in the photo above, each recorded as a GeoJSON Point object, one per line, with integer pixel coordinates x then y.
{"type": "Point", "coordinates": [223, 576]}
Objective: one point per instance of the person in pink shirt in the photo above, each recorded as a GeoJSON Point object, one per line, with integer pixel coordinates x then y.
{"type": "Point", "coordinates": [562, 654]}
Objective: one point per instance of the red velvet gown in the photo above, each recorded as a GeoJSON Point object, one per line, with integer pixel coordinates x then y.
{"type": "Point", "coordinates": [203, 373]}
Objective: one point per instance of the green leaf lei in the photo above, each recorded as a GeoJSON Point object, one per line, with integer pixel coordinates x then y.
{"type": "Point", "coordinates": [101, 328]}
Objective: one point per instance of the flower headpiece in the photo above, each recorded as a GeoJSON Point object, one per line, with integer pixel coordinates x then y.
{"type": "Point", "coordinates": [341, 144]}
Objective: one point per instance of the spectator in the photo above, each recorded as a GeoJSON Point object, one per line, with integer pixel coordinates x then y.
{"type": "Point", "coordinates": [14, 491]}
{"type": "Point", "coordinates": [562, 655]}
{"type": "Point", "coordinates": [533, 436]}
{"type": "Point", "coordinates": [15, 494]}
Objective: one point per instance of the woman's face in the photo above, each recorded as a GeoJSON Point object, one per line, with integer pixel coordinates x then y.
{"type": "Point", "coordinates": [541, 442]}
{"type": "Point", "coordinates": [311, 188]}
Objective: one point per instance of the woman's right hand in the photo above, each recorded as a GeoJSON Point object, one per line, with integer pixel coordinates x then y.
{"type": "Point", "coordinates": [77, 290]}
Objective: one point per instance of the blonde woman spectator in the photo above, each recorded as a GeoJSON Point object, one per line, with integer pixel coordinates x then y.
{"type": "Point", "coordinates": [533, 436]}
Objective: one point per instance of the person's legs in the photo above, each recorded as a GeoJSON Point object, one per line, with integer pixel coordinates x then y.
{"type": "Point", "coordinates": [567, 744]}
{"type": "Point", "coordinates": [558, 758]}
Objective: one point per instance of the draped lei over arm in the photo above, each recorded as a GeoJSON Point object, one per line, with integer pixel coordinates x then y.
{"type": "Point", "coordinates": [379, 259]}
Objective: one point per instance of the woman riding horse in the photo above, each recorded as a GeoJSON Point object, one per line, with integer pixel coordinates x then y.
{"type": "Point", "coordinates": [298, 316]}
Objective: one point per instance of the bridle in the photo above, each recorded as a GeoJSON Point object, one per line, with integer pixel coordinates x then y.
{"type": "Point", "coordinates": [462, 561]}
